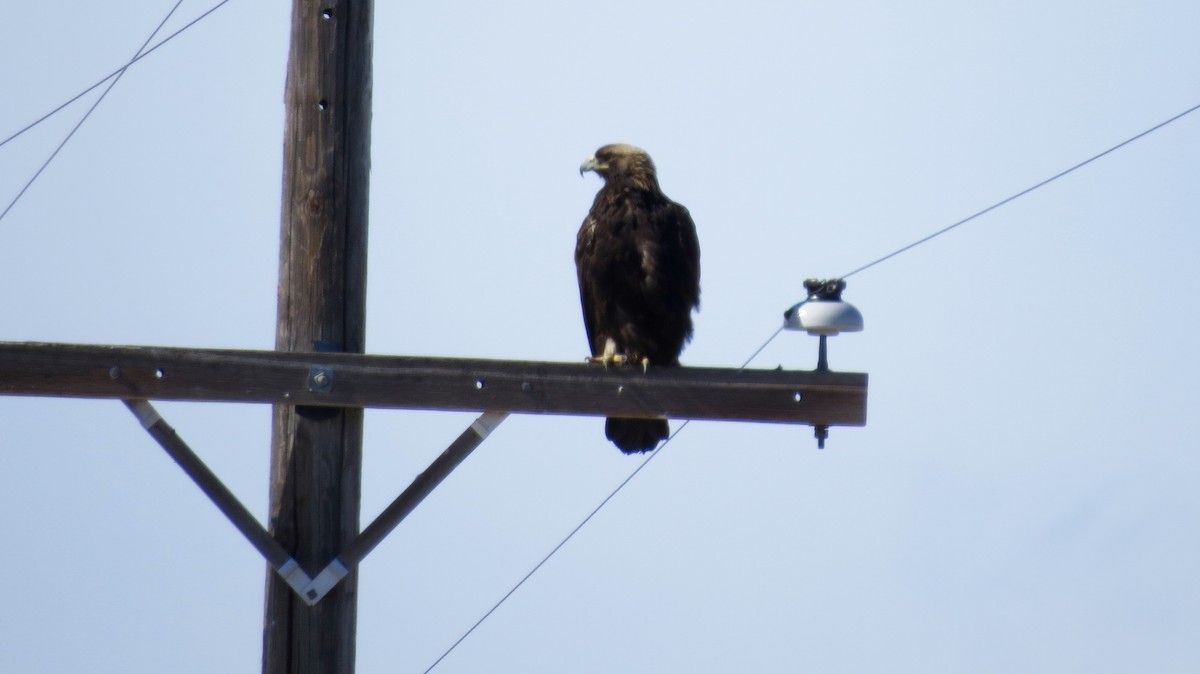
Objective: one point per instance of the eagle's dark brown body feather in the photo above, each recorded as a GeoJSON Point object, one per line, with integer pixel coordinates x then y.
{"type": "Point", "coordinates": [638, 262]}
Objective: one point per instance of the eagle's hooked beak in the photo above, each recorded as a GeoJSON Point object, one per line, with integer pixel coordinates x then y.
{"type": "Point", "coordinates": [591, 165]}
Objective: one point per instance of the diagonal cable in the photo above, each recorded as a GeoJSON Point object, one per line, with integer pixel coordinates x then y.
{"type": "Point", "coordinates": [116, 73]}
{"type": "Point", "coordinates": [910, 246]}
{"type": "Point", "coordinates": [87, 114]}
{"type": "Point", "coordinates": [588, 518]}
{"type": "Point", "coordinates": [1027, 190]}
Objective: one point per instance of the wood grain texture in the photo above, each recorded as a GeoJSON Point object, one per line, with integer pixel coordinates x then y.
{"type": "Point", "coordinates": [455, 384]}
{"type": "Point", "coordinates": [316, 460]}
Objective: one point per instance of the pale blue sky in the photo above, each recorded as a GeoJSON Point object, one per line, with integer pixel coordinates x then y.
{"type": "Point", "coordinates": [1023, 497]}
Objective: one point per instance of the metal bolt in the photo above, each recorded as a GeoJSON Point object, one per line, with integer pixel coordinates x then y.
{"type": "Point", "coordinates": [114, 373]}
{"type": "Point", "coordinates": [821, 433]}
{"type": "Point", "coordinates": [320, 380]}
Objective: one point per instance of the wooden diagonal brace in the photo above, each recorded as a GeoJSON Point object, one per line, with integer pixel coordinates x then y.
{"type": "Point", "coordinates": [312, 590]}
{"type": "Point", "coordinates": [220, 495]}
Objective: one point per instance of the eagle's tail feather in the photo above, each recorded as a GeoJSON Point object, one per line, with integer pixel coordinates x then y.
{"type": "Point", "coordinates": [636, 435]}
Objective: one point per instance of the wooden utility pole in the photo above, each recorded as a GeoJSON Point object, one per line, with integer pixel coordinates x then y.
{"type": "Point", "coordinates": [316, 454]}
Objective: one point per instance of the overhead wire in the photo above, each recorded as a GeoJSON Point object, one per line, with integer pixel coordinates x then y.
{"type": "Point", "coordinates": [115, 76]}
{"type": "Point", "coordinates": [117, 73]}
{"type": "Point", "coordinates": [1027, 190]}
{"type": "Point", "coordinates": [588, 518]}
{"type": "Point", "coordinates": [89, 112]}
{"type": "Point", "coordinates": [770, 339]}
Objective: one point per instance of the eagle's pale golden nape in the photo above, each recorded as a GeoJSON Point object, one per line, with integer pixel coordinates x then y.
{"type": "Point", "coordinates": [638, 263]}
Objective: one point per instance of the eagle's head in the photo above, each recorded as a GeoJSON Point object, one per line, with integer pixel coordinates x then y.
{"type": "Point", "coordinates": [621, 164]}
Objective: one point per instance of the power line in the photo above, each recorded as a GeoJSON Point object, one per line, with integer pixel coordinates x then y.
{"type": "Point", "coordinates": [586, 519]}
{"type": "Point", "coordinates": [556, 548]}
{"type": "Point", "coordinates": [764, 345]}
{"type": "Point", "coordinates": [119, 71]}
{"type": "Point", "coordinates": [1027, 190]}
{"type": "Point", "coordinates": [89, 112]}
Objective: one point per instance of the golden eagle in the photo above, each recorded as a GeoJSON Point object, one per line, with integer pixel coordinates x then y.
{"type": "Point", "coordinates": [638, 262]}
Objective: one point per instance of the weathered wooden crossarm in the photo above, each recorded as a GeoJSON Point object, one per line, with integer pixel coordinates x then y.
{"type": "Point", "coordinates": [406, 382]}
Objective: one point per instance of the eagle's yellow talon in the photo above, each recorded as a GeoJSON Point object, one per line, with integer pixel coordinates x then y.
{"type": "Point", "coordinates": [608, 359]}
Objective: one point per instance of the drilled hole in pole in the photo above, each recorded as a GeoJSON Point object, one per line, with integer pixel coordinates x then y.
{"type": "Point", "coordinates": [327, 13]}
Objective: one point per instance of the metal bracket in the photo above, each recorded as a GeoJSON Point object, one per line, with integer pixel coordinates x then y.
{"type": "Point", "coordinates": [294, 576]}
{"type": "Point", "coordinates": [325, 581]}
